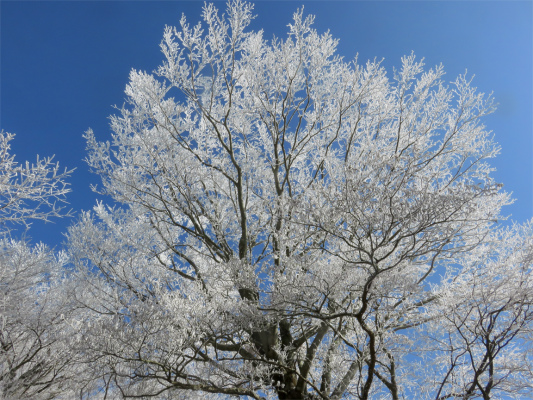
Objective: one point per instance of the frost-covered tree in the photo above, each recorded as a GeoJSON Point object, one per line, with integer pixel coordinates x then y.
{"type": "Point", "coordinates": [290, 225]}
{"type": "Point", "coordinates": [33, 358]}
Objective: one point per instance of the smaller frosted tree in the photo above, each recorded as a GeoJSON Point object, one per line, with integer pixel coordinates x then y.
{"type": "Point", "coordinates": [32, 305]}
{"type": "Point", "coordinates": [478, 345]}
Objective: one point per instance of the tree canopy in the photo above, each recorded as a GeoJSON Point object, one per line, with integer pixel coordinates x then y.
{"type": "Point", "coordinates": [286, 224]}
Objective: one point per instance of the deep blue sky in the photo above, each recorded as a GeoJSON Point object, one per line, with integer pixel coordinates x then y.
{"type": "Point", "coordinates": [64, 64]}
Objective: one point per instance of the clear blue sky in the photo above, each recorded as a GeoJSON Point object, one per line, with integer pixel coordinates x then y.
{"type": "Point", "coordinates": [65, 63]}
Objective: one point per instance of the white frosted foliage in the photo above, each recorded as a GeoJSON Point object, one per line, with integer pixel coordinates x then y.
{"type": "Point", "coordinates": [292, 225]}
